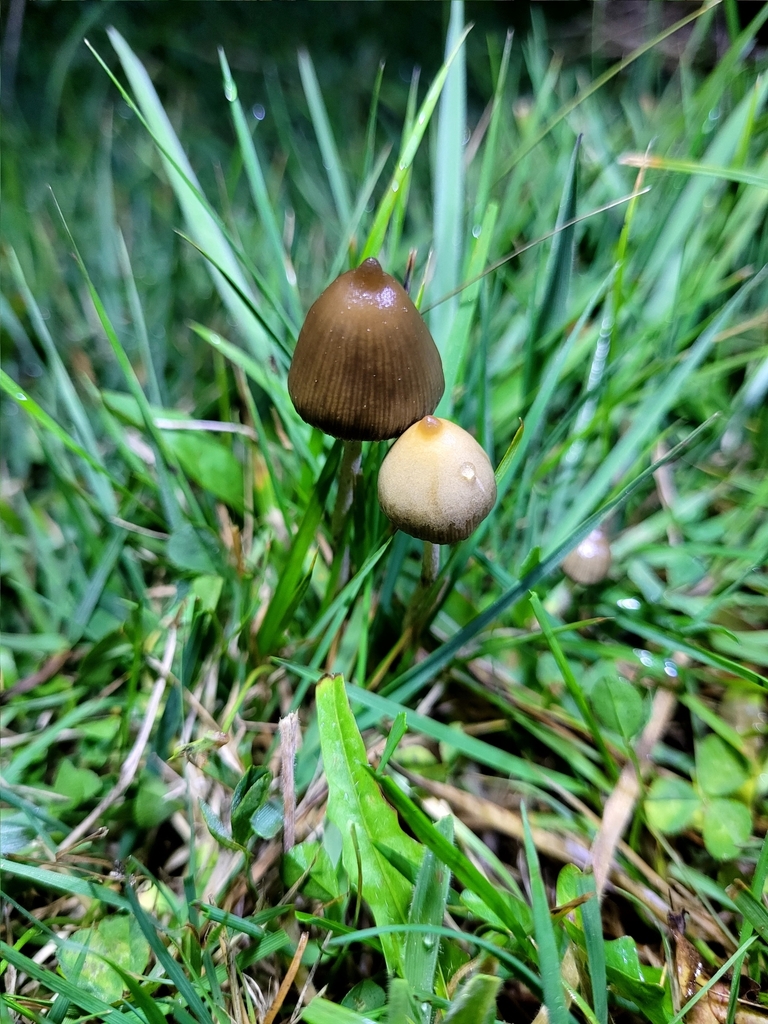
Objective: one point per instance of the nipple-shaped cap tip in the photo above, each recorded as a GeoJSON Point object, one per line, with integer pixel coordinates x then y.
{"type": "Point", "coordinates": [365, 366]}
{"type": "Point", "coordinates": [436, 482]}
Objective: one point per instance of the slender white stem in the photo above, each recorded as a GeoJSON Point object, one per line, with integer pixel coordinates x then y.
{"type": "Point", "coordinates": [348, 473]}
{"type": "Point", "coordinates": [430, 564]}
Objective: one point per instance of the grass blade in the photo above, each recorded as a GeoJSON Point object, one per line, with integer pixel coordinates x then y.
{"type": "Point", "coordinates": [408, 151]}
{"type": "Point", "coordinates": [201, 224]}
{"type": "Point", "coordinates": [430, 895]}
{"type": "Point", "coordinates": [652, 410]}
{"type": "Point", "coordinates": [549, 961]}
{"type": "Point", "coordinates": [325, 139]}
{"type": "Point", "coordinates": [449, 192]}
{"type": "Point", "coordinates": [292, 573]}
{"type": "Point", "coordinates": [557, 280]}
{"type": "Point", "coordinates": [258, 187]}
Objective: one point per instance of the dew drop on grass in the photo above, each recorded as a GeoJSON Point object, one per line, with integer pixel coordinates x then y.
{"type": "Point", "coordinates": [21, 397]}
{"type": "Point", "coordinates": [477, 230]}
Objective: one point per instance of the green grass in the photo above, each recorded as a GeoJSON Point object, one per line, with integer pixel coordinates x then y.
{"type": "Point", "coordinates": [189, 675]}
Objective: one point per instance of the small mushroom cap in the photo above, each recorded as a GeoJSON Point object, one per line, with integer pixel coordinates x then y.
{"type": "Point", "coordinates": [365, 366]}
{"type": "Point", "coordinates": [436, 482]}
{"type": "Point", "coordinates": [589, 561]}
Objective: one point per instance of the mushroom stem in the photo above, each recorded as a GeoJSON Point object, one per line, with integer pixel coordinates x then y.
{"type": "Point", "coordinates": [348, 473]}
{"type": "Point", "coordinates": [430, 564]}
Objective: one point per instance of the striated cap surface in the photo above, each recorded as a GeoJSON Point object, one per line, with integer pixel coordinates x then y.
{"type": "Point", "coordinates": [365, 366]}
{"type": "Point", "coordinates": [436, 482]}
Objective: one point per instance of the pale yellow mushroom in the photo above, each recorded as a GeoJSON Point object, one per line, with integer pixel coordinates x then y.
{"type": "Point", "coordinates": [436, 482]}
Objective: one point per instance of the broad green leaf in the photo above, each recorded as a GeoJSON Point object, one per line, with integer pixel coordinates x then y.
{"type": "Point", "coordinates": [727, 827]}
{"type": "Point", "coordinates": [366, 995]}
{"type": "Point", "coordinates": [312, 862]}
{"type": "Point", "coordinates": [355, 803]}
{"type": "Point", "coordinates": [209, 463]}
{"type": "Point", "coordinates": [475, 1002]}
{"type": "Point", "coordinates": [323, 1011]}
{"type": "Point", "coordinates": [217, 828]}
{"type": "Point", "coordinates": [91, 1004]}
{"type": "Point", "coordinates": [191, 549]}
{"type": "Point", "coordinates": [671, 805]}
{"type": "Point", "coordinates": [645, 986]}
{"type": "Point", "coordinates": [618, 705]}
{"type": "Point", "coordinates": [719, 769]}
{"type": "Point", "coordinates": [120, 939]}
{"type": "Point", "coordinates": [77, 784]}
{"type": "Point", "coordinates": [251, 792]}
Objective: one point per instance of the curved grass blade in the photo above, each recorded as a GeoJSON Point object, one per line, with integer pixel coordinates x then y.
{"type": "Point", "coordinates": [65, 388]}
{"type": "Point", "coordinates": [60, 882]}
{"type": "Point", "coordinates": [430, 895]}
{"type": "Point", "coordinates": [599, 82]}
{"type": "Point", "coordinates": [258, 187]}
{"type": "Point", "coordinates": [491, 148]}
{"type": "Point", "coordinates": [170, 501]}
{"type": "Point", "coordinates": [292, 574]}
{"type": "Point", "coordinates": [472, 747]}
{"type": "Point", "coordinates": [663, 163]}
{"type": "Point", "coordinates": [325, 139]}
{"type": "Point", "coordinates": [240, 291]}
{"type": "Point", "coordinates": [350, 228]}
{"type": "Point", "coordinates": [557, 281]}
{"type": "Point", "coordinates": [47, 422]}
{"type": "Point", "coordinates": [455, 347]}
{"type": "Point", "coordinates": [517, 967]}
{"type": "Point", "coordinates": [549, 961]}
{"type": "Point", "coordinates": [172, 968]}
{"type": "Point", "coordinates": [407, 153]}
{"type": "Point", "coordinates": [196, 213]}
{"type": "Point", "coordinates": [652, 410]}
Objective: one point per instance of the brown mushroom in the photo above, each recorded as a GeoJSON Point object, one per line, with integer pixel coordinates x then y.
{"type": "Point", "coordinates": [590, 560]}
{"type": "Point", "coordinates": [365, 366]}
{"type": "Point", "coordinates": [436, 482]}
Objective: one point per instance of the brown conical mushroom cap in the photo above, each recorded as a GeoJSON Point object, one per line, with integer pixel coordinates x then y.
{"type": "Point", "coordinates": [589, 561]}
{"type": "Point", "coordinates": [436, 482]}
{"type": "Point", "coordinates": [365, 366]}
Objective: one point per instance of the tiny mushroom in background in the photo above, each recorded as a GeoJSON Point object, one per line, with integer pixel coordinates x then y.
{"type": "Point", "coordinates": [436, 483]}
{"type": "Point", "coordinates": [590, 560]}
{"type": "Point", "coordinates": [365, 366]}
